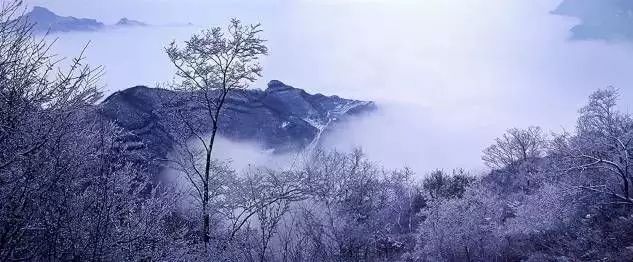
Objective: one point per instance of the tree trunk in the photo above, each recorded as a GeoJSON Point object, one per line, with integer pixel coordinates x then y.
{"type": "Point", "coordinates": [205, 198]}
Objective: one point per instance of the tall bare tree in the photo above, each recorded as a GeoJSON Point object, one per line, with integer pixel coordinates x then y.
{"type": "Point", "coordinates": [212, 65]}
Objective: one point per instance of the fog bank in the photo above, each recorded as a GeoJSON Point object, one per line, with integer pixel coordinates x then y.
{"type": "Point", "coordinates": [450, 75]}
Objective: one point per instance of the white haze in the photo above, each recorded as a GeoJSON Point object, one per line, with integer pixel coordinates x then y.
{"type": "Point", "coordinates": [244, 155]}
{"type": "Point", "coordinates": [449, 75]}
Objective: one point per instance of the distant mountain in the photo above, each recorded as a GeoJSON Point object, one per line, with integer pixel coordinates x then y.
{"type": "Point", "coordinates": [600, 19]}
{"type": "Point", "coordinates": [47, 21]}
{"type": "Point", "coordinates": [281, 118]}
{"type": "Point", "coordinates": [129, 22]}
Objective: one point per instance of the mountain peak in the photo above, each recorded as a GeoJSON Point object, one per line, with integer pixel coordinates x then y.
{"type": "Point", "coordinates": [129, 22]}
{"type": "Point", "coordinates": [41, 12]}
{"type": "Point", "coordinates": [40, 9]}
{"type": "Point", "coordinates": [276, 84]}
{"type": "Point", "coordinates": [45, 20]}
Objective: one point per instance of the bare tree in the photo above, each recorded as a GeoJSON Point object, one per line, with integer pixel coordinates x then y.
{"type": "Point", "coordinates": [260, 193]}
{"type": "Point", "coordinates": [214, 64]}
{"type": "Point", "coordinates": [463, 229]}
{"type": "Point", "coordinates": [514, 146]}
{"type": "Point", "coordinates": [33, 85]}
{"type": "Point", "coordinates": [271, 195]}
{"type": "Point", "coordinates": [38, 101]}
{"type": "Point", "coordinates": [70, 187]}
{"type": "Point", "coordinates": [603, 143]}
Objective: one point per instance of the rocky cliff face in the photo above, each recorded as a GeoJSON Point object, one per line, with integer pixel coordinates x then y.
{"type": "Point", "coordinates": [281, 118]}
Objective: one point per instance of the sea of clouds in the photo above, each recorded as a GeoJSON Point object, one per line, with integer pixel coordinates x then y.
{"type": "Point", "coordinates": [449, 75]}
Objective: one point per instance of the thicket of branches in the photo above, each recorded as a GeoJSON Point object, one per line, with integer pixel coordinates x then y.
{"type": "Point", "coordinates": [73, 186]}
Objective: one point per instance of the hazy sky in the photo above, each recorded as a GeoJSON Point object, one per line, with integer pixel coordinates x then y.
{"type": "Point", "coordinates": [450, 75]}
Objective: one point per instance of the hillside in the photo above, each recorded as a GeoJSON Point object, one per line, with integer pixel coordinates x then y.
{"type": "Point", "coordinates": [281, 118]}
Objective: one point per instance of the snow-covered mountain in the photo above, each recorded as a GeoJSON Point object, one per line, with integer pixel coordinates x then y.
{"type": "Point", "coordinates": [281, 118]}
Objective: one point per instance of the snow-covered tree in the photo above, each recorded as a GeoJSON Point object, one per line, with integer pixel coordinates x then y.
{"type": "Point", "coordinates": [212, 65]}
{"type": "Point", "coordinates": [514, 146]}
{"type": "Point", "coordinates": [601, 148]}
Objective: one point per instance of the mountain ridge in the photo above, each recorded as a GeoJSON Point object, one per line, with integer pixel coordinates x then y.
{"type": "Point", "coordinates": [280, 118]}
{"type": "Point", "coordinates": [46, 21]}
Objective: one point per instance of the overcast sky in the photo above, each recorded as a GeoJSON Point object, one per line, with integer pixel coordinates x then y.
{"type": "Point", "coordinates": [451, 74]}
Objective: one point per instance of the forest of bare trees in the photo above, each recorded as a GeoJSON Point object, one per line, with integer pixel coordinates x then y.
{"type": "Point", "coordinates": [73, 188]}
